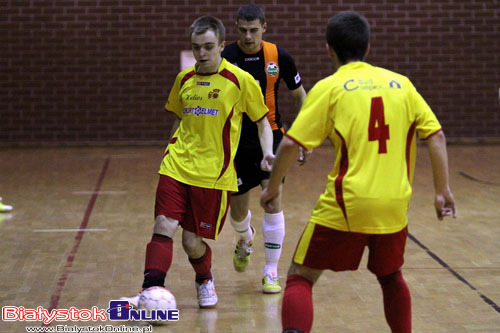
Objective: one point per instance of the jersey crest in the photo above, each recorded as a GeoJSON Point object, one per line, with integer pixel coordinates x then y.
{"type": "Point", "coordinates": [272, 68]}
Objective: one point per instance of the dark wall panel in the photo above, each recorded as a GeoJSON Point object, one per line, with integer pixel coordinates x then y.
{"type": "Point", "coordinates": [101, 70]}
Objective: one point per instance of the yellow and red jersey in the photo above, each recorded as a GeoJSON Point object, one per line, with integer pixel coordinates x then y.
{"type": "Point", "coordinates": [371, 115]}
{"type": "Point", "coordinates": [210, 107]}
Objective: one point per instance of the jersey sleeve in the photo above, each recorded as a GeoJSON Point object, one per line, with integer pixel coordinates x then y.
{"type": "Point", "coordinates": [288, 70]}
{"type": "Point", "coordinates": [254, 101]}
{"type": "Point", "coordinates": [314, 123]}
{"type": "Point", "coordinates": [426, 121]}
{"type": "Point", "coordinates": [174, 102]}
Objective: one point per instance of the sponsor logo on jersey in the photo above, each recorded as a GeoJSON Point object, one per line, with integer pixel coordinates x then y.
{"type": "Point", "coordinates": [272, 68]}
{"type": "Point", "coordinates": [194, 97]}
{"type": "Point", "coordinates": [202, 83]}
{"type": "Point", "coordinates": [394, 84]}
{"type": "Point", "coordinates": [350, 85]}
{"type": "Point", "coordinates": [214, 93]}
{"type": "Point", "coordinates": [201, 111]}
{"type": "Point", "coordinates": [353, 84]}
{"type": "Point", "coordinates": [297, 78]}
{"type": "Point", "coordinates": [252, 59]}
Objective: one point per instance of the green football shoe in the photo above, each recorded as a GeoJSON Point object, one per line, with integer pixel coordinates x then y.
{"type": "Point", "coordinates": [242, 253]}
{"type": "Point", "coordinates": [270, 284]}
{"type": "Point", "coordinates": [5, 208]}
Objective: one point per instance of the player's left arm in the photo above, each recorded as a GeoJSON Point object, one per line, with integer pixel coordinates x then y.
{"type": "Point", "coordinates": [299, 96]}
{"type": "Point", "coordinates": [430, 130]}
{"type": "Point", "coordinates": [444, 201]}
{"type": "Point", "coordinates": [293, 81]}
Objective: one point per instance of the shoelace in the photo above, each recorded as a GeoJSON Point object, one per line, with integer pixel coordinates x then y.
{"type": "Point", "coordinates": [206, 290]}
{"type": "Point", "coordinates": [272, 278]}
{"type": "Point", "coordinates": [243, 249]}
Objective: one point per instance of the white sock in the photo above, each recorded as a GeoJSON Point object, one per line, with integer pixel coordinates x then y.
{"type": "Point", "coordinates": [273, 230]}
{"type": "Point", "coordinates": [242, 228]}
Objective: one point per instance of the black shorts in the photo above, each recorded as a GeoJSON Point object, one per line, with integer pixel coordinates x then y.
{"type": "Point", "coordinates": [247, 163]}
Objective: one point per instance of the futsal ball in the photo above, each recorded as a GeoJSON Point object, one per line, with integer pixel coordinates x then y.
{"type": "Point", "coordinates": [157, 298]}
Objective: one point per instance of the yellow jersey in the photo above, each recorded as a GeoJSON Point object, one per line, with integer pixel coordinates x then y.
{"type": "Point", "coordinates": [210, 109]}
{"type": "Point", "coordinates": [371, 115]}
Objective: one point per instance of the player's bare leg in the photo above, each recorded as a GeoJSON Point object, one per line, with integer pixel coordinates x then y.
{"type": "Point", "coordinates": [200, 257]}
{"type": "Point", "coordinates": [273, 231]}
{"type": "Point", "coordinates": [241, 217]}
{"type": "Point", "coordinates": [297, 306]}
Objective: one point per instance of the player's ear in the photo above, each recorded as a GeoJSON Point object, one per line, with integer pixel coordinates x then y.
{"type": "Point", "coordinates": [264, 27]}
{"type": "Point", "coordinates": [330, 51]}
{"type": "Point", "coordinates": [367, 50]}
{"type": "Point", "coordinates": [222, 46]}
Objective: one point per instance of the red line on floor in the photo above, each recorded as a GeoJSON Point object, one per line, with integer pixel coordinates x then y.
{"type": "Point", "coordinates": [54, 300]}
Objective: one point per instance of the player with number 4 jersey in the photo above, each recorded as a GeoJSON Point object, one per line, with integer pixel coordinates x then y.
{"type": "Point", "coordinates": [372, 116]}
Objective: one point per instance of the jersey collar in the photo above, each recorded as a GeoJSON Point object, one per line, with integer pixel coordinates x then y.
{"type": "Point", "coordinates": [222, 65]}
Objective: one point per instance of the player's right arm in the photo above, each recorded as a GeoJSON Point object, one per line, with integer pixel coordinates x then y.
{"type": "Point", "coordinates": [285, 157]}
{"type": "Point", "coordinates": [256, 111]}
{"type": "Point", "coordinates": [174, 105]}
{"type": "Point", "coordinates": [174, 128]}
{"type": "Point", "coordinates": [444, 201]}
{"type": "Point", "coordinates": [266, 143]}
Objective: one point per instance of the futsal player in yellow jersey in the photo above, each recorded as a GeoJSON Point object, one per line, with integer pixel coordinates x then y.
{"type": "Point", "coordinates": [197, 173]}
{"type": "Point", "coordinates": [371, 115]}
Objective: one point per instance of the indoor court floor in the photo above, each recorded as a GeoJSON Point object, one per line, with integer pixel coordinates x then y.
{"type": "Point", "coordinates": [83, 216]}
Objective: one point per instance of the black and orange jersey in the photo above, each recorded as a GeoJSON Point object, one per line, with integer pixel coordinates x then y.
{"type": "Point", "coordinates": [268, 66]}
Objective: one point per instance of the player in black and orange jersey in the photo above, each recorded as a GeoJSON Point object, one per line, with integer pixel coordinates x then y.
{"type": "Point", "coordinates": [268, 64]}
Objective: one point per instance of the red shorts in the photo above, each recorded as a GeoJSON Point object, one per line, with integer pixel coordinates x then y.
{"type": "Point", "coordinates": [199, 210]}
{"type": "Point", "coordinates": [325, 248]}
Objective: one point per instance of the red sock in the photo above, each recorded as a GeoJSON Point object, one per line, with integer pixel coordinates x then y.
{"type": "Point", "coordinates": [397, 302]}
{"type": "Point", "coordinates": [159, 253]}
{"type": "Point", "coordinates": [297, 308]}
{"type": "Point", "coordinates": [202, 266]}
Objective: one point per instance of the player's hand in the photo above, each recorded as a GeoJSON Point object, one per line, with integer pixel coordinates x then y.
{"type": "Point", "coordinates": [267, 197]}
{"type": "Point", "coordinates": [445, 205]}
{"type": "Point", "coordinates": [267, 162]}
{"type": "Point", "coordinates": [303, 155]}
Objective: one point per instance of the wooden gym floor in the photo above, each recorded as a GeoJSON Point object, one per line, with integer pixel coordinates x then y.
{"type": "Point", "coordinates": [82, 217]}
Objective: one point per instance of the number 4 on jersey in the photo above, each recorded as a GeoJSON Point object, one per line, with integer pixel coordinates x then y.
{"type": "Point", "coordinates": [378, 130]}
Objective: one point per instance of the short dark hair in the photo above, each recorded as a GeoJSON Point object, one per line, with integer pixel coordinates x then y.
{"type": "Point", "coordinates": [251, 12]}
{"type": "Point", "coordinates": [205, 23]}
{"type": "Point", "coordinates": [348, 34]}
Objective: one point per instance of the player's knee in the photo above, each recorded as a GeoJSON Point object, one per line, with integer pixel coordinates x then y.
{"type": "Point", "coordinates": [238, 215]}
{"type": "Point", "coordinates": [241, 220]}
{"type": "Point", "coordinates": [192, 244]}
{"type": "Point", "coordinates": [390, 278]}
{"type": "Point", "coordinates": [305, 272]}
{"type": "Point", "coordinates": [165, 226]}
{"type": "Point", "coordinates": [275, 205]}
